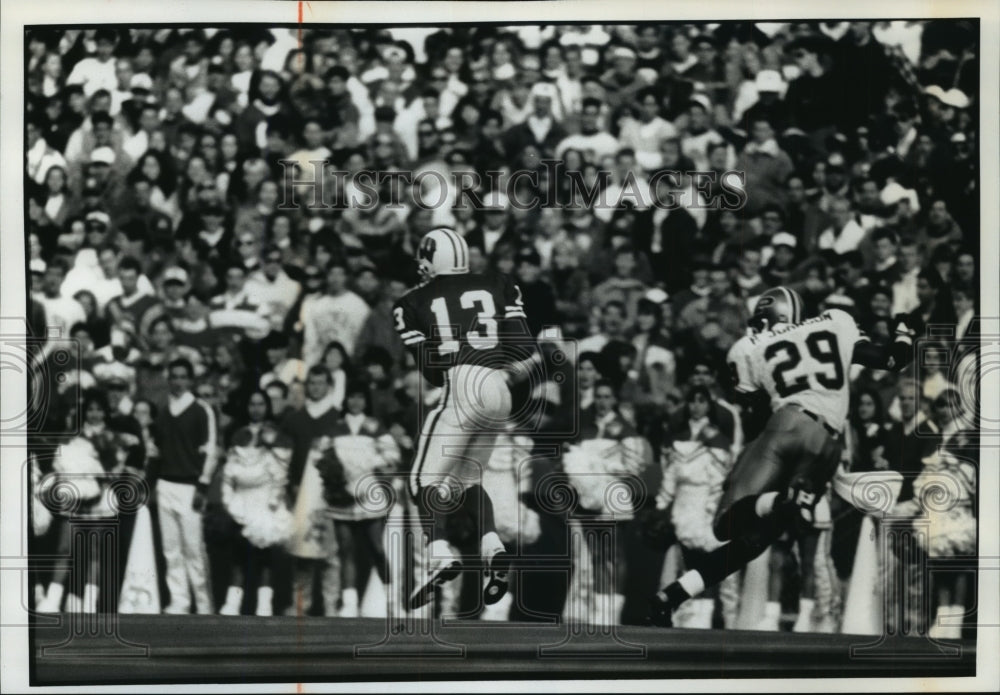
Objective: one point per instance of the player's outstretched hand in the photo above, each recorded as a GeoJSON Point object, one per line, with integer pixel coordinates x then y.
{"type": "Point", "coordinates": [900, 329]}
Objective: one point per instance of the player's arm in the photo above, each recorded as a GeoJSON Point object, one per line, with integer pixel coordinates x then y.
{"type": "Point", "coordinates": [895, 356]}
{"type": "Point", "coordinates": [524, 355]}
{"type": "Point", "coordinates": [752, 399]}
{"type": "Point", "coordinates": [415, 340]}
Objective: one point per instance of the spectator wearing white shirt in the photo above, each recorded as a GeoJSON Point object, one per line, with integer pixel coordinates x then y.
{"type": "Point", "coordinates": [62, 312]}
{"type": "Point", "coordinates": [136, 145]}
{"type": "Point", "coordinates": [309, 161]}
{"type": "Point", "coordinates": [845, 234]}
{"type": "Point", "coordinates": [122, 92]}
{"type": "Point", "coordinates": [243, 59]}
{"type": "Point", "coordinates": [963, 298]}
{"type": "Point", "coordinates": [904, 290]}
{"type": "Point", "coordinates": [98, 71]}
{"type": "Point", "coordinates": [235, 297]}
{"type": "Point", "coordinates": [40, 156]}
{"type": "Point", "coordinates": [337, 315]}
{"type": "Point", "coordinates": [272, 289]}
{"type": "Point", "coordinates": [410, 121]}
{"type": "Point", "coordinates": [627, 185]}
{"type": "Point", "coordinates": [589, 39]}
{"type": "Point", "coordinates": [646, 131]}
{"type": "Point", "coordinates": [591, 140]}
{"type": "Point", "coordinates": [569, 81]}
{"type": "Point", "coordinates": [699, 134]}
{"type": "Point", "coordinates": [102, 280]}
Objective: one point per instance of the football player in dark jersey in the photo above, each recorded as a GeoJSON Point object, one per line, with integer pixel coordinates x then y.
{"type": "Point", "coordinates": [463, 330]}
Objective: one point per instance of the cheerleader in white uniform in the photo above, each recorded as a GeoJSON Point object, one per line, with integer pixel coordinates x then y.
{"type": "Point", "coordinates": [354, 477]}
{"type": "Point", "coordinates": [253, 492]}
{"type": "Point", "coordinates": [78, 488]}
{"type": "Point", "coordinates": [695, 466]}
{"type": "Point", "coordinates": [946, 490]}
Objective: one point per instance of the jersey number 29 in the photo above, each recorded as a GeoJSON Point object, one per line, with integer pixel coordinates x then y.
{"type": "Point", "coordinates": [822, 347]}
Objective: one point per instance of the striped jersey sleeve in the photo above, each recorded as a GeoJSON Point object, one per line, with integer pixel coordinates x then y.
{"type": "Point", "coordinates": [406, 324]}
{"type": "Point", "coordinates": [513, 303]}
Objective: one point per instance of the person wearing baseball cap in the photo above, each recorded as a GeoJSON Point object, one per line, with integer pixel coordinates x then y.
{"type": "Point", "coordinates": [783, 257]}
{"type": "Point", "coordinates": [541, 129]}
{"type": "Point", "coordinates": [102, 156]}
{"type": "Point", "coordinates": [97, 224]}
{"type": "Point", "coordinates": [98, 218]}
{"type": "Point", "coordinates": [175, 275]}
{"type": "Point", "coordinates": [770, 91]}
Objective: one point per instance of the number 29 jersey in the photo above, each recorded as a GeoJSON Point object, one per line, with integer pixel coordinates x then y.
{"type": "Point", "coordinates": [806, 364]}
{"type": "Point", "coordinates": [466, 319]}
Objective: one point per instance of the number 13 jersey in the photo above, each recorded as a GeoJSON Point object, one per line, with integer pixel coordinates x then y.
{"type": "Point", "coordinates": [465, 319]}
{"type": "Point", "coordinates": [806, 364]}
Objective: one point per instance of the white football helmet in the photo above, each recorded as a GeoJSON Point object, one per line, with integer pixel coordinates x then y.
{"type": "Point", "coordinates": [442, 251]}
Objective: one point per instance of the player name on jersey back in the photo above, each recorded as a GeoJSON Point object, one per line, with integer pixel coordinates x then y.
{"type": "Point", "coordinates": [806, 364]}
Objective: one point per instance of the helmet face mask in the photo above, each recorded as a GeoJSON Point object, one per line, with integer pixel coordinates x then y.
{"type": "Point", "coordinates": [442, 251]}
{"type": "Point", "coordinates": [777, 305]}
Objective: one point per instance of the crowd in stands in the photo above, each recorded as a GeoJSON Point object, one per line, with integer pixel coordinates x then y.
{"type": "Point", "coordinates": [234, 336]}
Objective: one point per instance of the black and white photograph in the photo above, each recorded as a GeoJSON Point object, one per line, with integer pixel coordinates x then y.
{"type": "Point", "coordinates": [471, 345]}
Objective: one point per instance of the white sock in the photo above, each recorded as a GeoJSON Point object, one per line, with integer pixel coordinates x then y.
{"type": "Point", "coordinates": [692, 582]}
{"type": "Point", "coordinates": [765, 504]}
{"type": "Point", "coordinates": [704, 609]}
{"type": "Point", "coordinates": [349, 597]}
{"type": "Point", "coordinates": [804, 622]}
{"type": "Point", "coordinates": [947, 622]}
{"type": "Point", "coordinates": [73, 604]}
{"type": "Point", "coordinates": [90, 598]}
{"type": "Point", "coordinates": [264, 596]}
{"type": "Point", "coordinates": [53, 597]}
{"type": "Point", "coordinates": [490, 545]}
{"type": "Point", "coordinates": [772, 617]}
{"type": "Point", "coordinates": [619, 604]}
{"type": "Point", "coordinates": [439, 549]}
{"type": "Point", "coordinates": [234, 600]}
{"type": "Point", "coordinates": [603, 609]}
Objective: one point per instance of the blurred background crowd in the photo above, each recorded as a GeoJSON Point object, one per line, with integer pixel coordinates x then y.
{"type": "Point", "coordinates": [170, 234]}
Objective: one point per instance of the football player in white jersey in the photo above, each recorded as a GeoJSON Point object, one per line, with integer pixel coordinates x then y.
{"type": "Point", "coordinates": [800, 368]}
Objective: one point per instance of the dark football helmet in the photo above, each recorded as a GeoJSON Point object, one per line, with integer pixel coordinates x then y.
{"type": "Point", "coordinates": [776, 305]}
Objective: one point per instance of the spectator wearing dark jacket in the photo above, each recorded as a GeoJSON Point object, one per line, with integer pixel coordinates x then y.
{"type": "Point", "coordinates": [186, 436]}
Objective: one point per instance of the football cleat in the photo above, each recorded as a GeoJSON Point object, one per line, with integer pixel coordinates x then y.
{"type": "Point", "coordinates": [497, 578]}
{"type": "Point", "coordinates": [443, 569]}
{"type": "Point", "coordinates": [797, 508]}
{"type": "Point", "coordinates": [660, 611]}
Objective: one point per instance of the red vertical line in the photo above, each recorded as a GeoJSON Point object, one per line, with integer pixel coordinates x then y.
{"type": "Point", "coordinates": [300, 24]}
